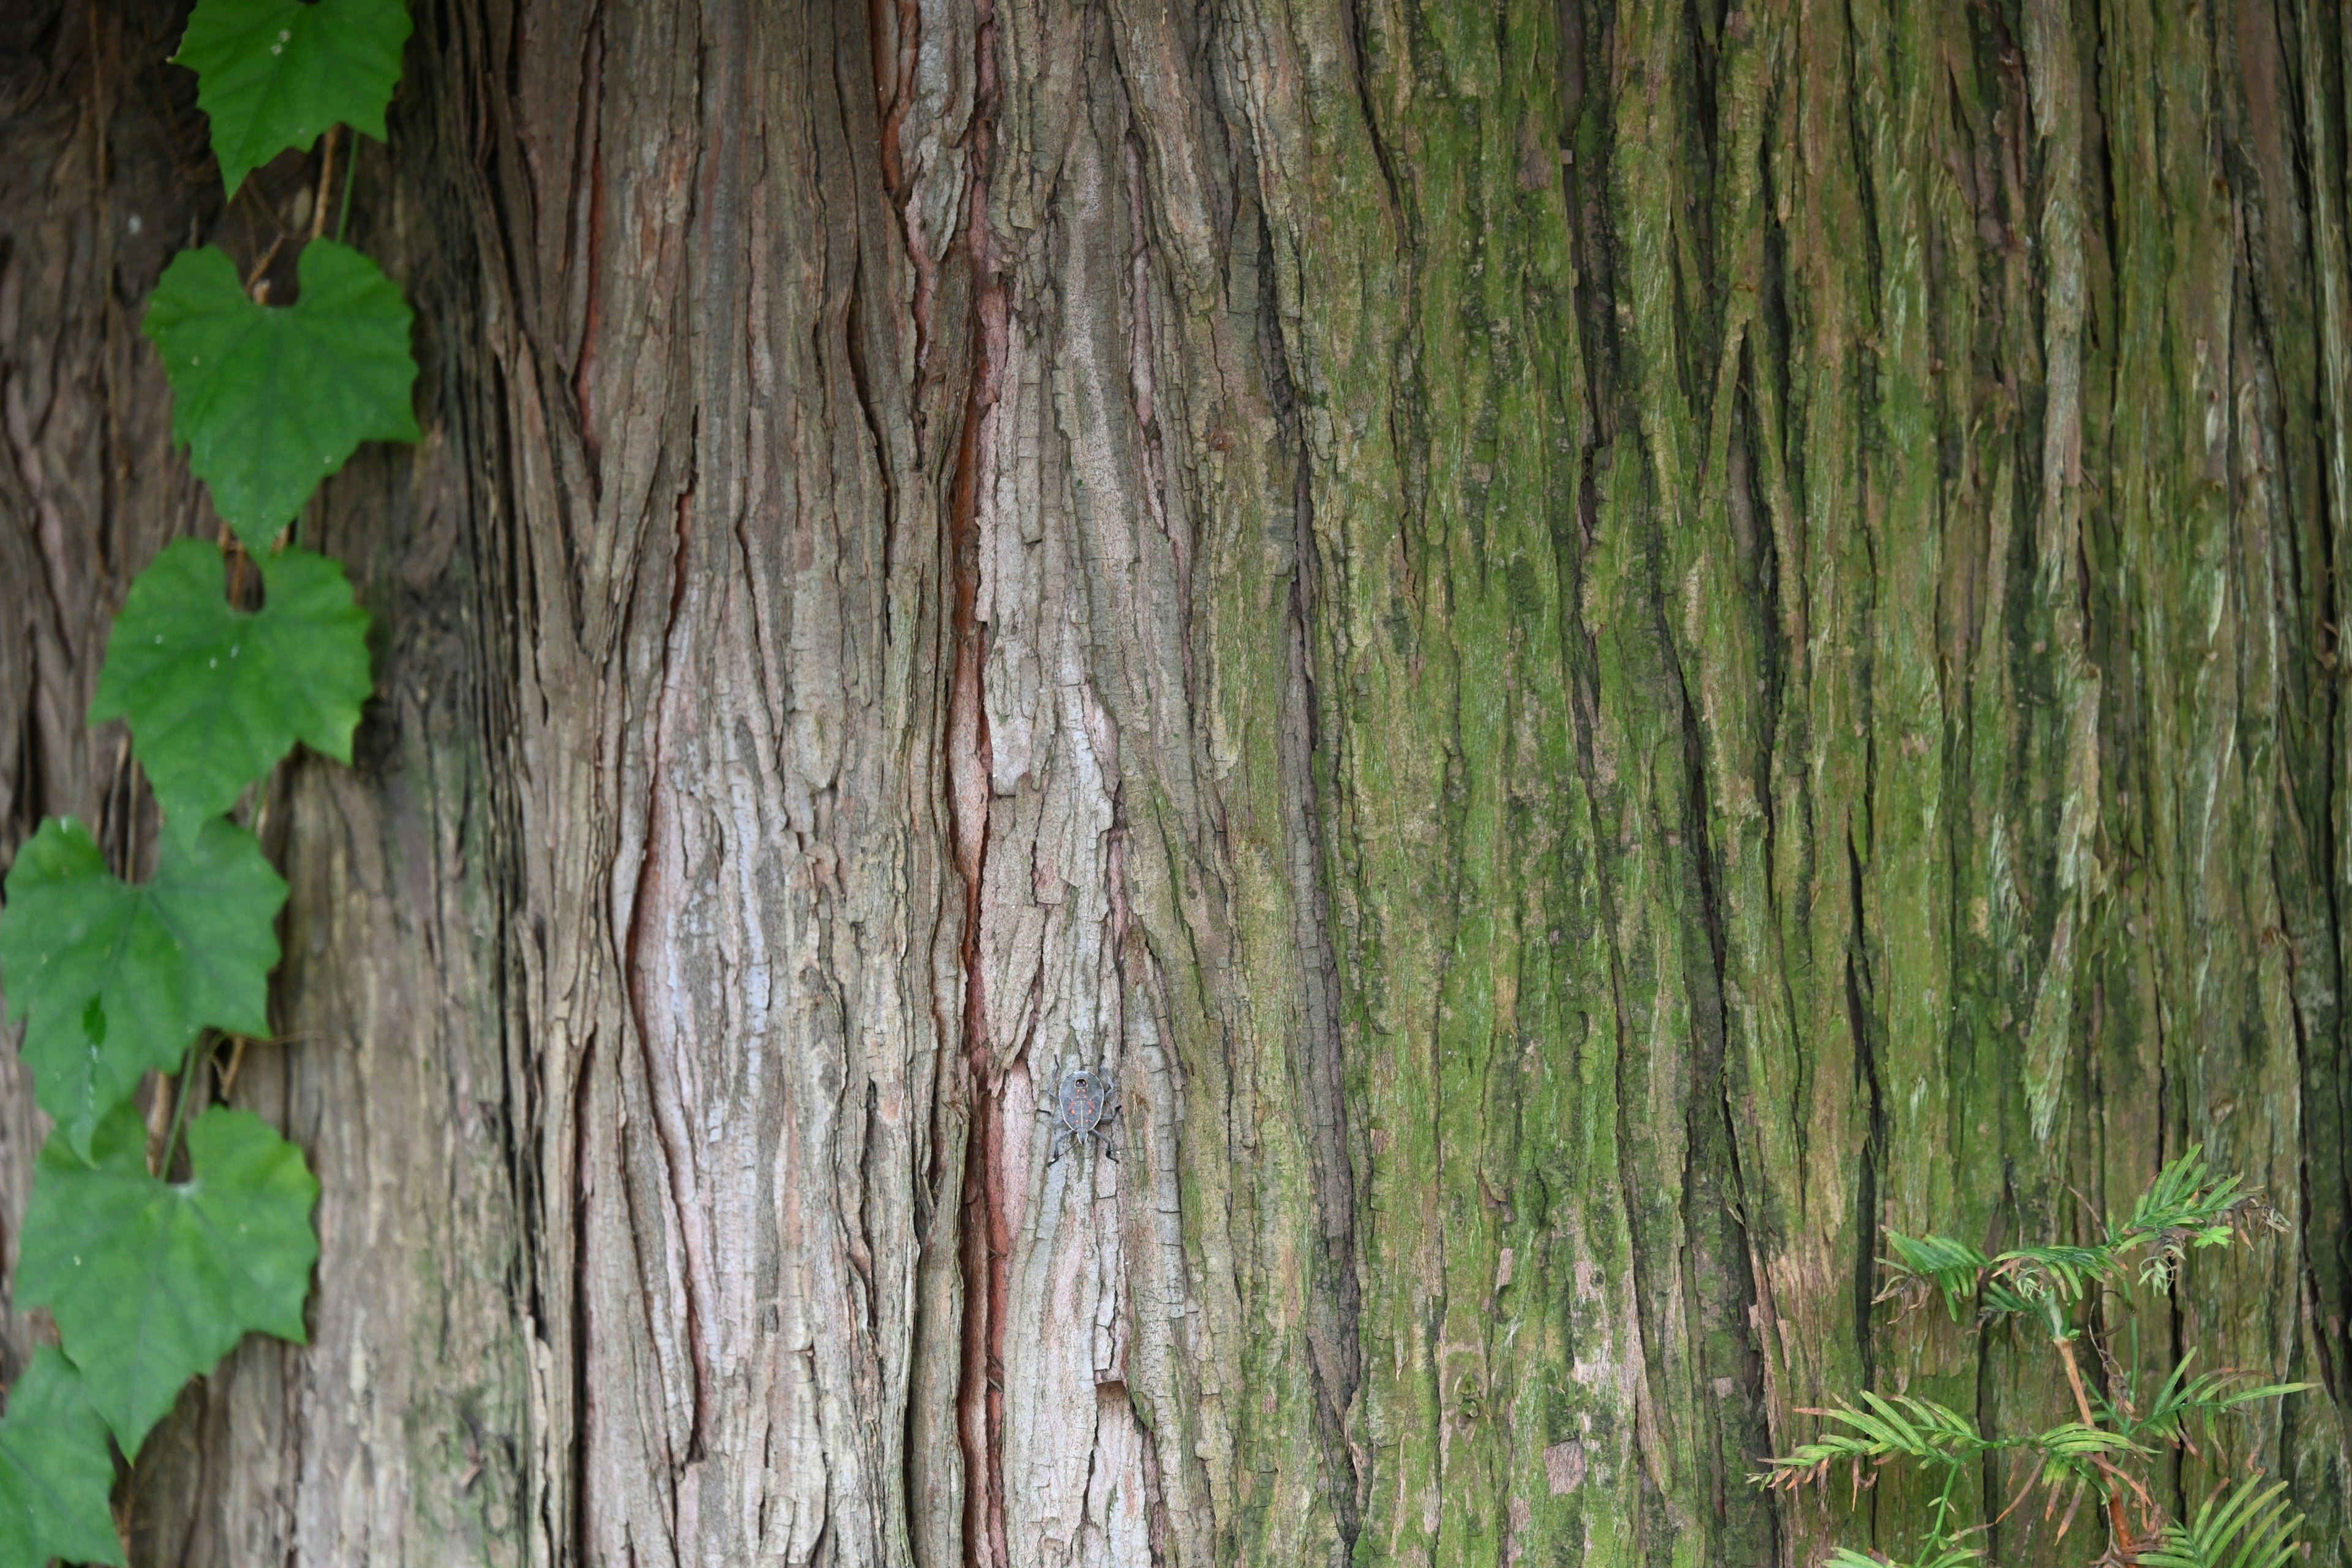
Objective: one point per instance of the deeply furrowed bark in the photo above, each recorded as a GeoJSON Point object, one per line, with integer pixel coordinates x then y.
{"type": "Point", "coordinates": [1600, 650]}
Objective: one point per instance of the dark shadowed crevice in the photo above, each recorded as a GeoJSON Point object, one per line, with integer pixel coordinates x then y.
{"type": "Point", "coordinates": [985, 1239]}
{"type": "Point", "coordinates": [855, 328]}
{"type": "Point", "coordinates": [1873, 1159]}
{"type": "Point", "coordinates": [587, 222]}
{"type": "Point", "coordinates": [670, 1134]}
{"type": "Point", "coordinates": [1334, 1329]}
{"type": "Point", "coordinates": [1360, 57]}
{"type": "Point", "coordinates": [1585, 46]}
{"type": "Point", "coordinates": [1873, 1148]}
{"type": "Point", "coordinates": [1722, 1240]}
{"type": "Point", "coordinates": [583, 1401]}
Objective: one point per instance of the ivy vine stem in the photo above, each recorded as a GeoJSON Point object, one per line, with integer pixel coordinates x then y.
{"type": "Point", "coordinates": [127, 987]}
{"type": "Point", "coordinates": [187, 1083]}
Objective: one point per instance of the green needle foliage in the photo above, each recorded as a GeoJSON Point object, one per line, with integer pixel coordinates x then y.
{"type": "Point", "coordinates": [216, 697]}
{"type": "Point", "coordinates": [116, 979]}
{"type": "Point", "coordinates": [2107, 1453]}
{"type": "Point", "coordinates": [271, 401]}
{"type": "Point", "coordinates": [54, 1471]}
{"type": "Point", "coordinates": [151, 1281]}
{"type": "Point", "coordinates": [274, 74]}
{"type": "Point", "coordinates": [2240, 1529]}
{"type": "Point", "coordinates": [1954, 1557]}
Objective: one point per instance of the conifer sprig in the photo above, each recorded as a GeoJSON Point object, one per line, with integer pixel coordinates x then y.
{"type": "Point", "coordinates": [2104, 1454]}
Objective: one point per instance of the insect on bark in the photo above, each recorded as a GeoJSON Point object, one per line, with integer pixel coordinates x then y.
{"type": "Point", "coordinates": [1083, 1107]}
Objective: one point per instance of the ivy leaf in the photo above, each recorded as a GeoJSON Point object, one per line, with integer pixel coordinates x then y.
{"type": "Point", "coordinates": [215, 696]}
{"type": "Point", "coordinates": [274, 74]}
{"type": "Point", "coordinates": [268, 401]}
{"type": "Point", "coordinates": [117, 978]}
{"type": "Point", "coordinates": [54, 1471]}
{"type": "Point", "coordinates": [151, 1281]}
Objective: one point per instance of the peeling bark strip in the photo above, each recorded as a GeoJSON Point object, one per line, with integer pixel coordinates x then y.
{"type": "Point", "coordinates": [1599, 648]}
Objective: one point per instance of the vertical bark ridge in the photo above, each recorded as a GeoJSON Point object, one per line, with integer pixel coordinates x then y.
{"type": "Point", "coordinates": [730, 514]}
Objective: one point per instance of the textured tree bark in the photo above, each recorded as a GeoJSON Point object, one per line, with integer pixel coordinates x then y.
{"type": "Point", "coordinates": [1599, 649]}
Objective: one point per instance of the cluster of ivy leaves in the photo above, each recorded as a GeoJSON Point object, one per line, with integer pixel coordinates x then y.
{"type": "Point", "coordinates": [153, 1264]}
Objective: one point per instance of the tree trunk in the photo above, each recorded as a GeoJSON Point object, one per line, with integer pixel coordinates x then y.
{"type": "Point", "coordinates": [1599, 649]}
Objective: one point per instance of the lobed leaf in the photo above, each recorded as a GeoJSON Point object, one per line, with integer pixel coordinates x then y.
{"type": "Point", "coordinates": [274, 74]}
{"type": "Point", "coordinates": [54, 1471]}
{"type": "Point", "coordinates": [215, 696]}
{"type": "Point", "coordinates": [151, 1281]}
{"type": "Point", "coordinates": [268, 402]}
{"type": "Point", "coordinates": [116, 979]}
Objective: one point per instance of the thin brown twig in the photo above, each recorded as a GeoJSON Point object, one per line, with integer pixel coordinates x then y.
{"type": "Point", "coordinates": [2023, 1493]}
{"type": "Point", "coordinates": [225, 1076]}
{"type": "Point", "coordinates": [228, 1074]}
{"type": "Point", "coordinates": [2074, 1381]}
{"type": "Point", "coordinates": [159, 1120]}
{"type": "Point", "coordinates": [2124, 1534]}
{"type": "Point", "coordinates": [253, 284]}
{"type": "Point", "coordinates": [234, 548]}
{"type": "Point", "coordinates": [325, 182]}
{"type": "Point", "coordinates": [2072, 1506]}
{"type": "Point", "coordinates": [126, 834]}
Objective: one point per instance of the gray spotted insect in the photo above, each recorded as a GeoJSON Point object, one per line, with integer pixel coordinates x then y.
{"type": "Point", "coordinates": [1083, 1107]}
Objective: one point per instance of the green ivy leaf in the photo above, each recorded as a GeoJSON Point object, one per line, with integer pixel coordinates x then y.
{"type": "Point", "coordinates": [116, 978]}
{"type": "Point", "coordinates": [152, 1282]}
{"type": "Point", "coordinates": [274, 74]}
{"type": "Point", "coordinates": [54, 1471]}
{"type": "Point", "coordinates": [270, 401]}
{"type": "Point", "coordinates": [215, 696]}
